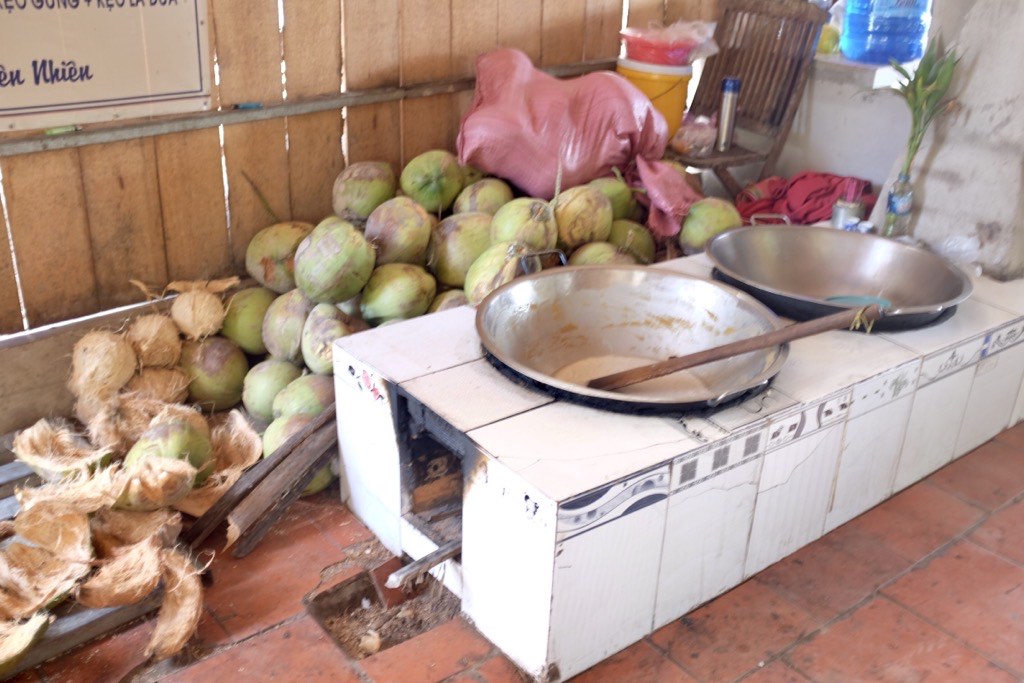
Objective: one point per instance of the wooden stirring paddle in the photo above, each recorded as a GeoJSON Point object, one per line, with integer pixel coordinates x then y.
{"type": "Point", "coordinates": [850, 318]}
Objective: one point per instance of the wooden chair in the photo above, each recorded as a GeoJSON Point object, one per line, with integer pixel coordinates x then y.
{"type": "Point", "coordinates": [769, 45]}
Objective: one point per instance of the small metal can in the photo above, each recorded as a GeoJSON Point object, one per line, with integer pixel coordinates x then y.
{"type": "Point", "coordinates": [846, 213]}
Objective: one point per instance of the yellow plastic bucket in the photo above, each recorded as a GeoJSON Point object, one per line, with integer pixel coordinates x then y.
{"type": "Point", "coordinates": [665, 86]}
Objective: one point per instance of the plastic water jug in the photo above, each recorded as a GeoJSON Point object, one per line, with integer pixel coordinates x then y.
{"type": "Point", "coordinates": [875, 31]}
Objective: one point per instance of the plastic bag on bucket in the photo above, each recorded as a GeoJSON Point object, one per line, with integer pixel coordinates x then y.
{"type": "Point", "coordinates": [527, 126]}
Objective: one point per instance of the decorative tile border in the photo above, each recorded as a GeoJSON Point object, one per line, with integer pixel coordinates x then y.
{"type": "Point", "coordinates": [1003, 338]}
{"type": "Point", "coordinates": [885, 388]}
{"type": "Point", "coordinates": [796, 423]}
{"type": "Point", "coordinates": [950, 360]}
{"type": "Point", "coordinates": [608, 503]}
{"type": "Point", "coordinates": [709, 461]}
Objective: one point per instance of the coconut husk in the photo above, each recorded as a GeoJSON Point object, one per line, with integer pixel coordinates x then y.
{"type": "Point", "coordinates": [181, 608]}
{"type": "Point", "coordinates": [122, 420]}
{"type": "Point", "coordinates": [54, 451]}
{"type": "Point", "coordinates": [153, 483]}
{"type": "Point", "coordinates": [127, 578]}
{"type": "Point", "coordinates": [200, 500]}
{"type": "Point", "coordinates": [115, 530]}
{"type": "Point", "coordinates": [180, 413]}
{"type": "Point", "coordinates": [6, 528]}
{"type": "Point", "coordinates": [169, 385]}
{"type": "Point", "coordinates": [86, 493]}
{"type": "Point", "coordinates": [17, 637]}
{"type": "Point", "coordinates": [33, 579]}
{"type": "Point", "coordinates": [101, 363]}
{"type": "Point", "coordinates": [211, 286]}
{"type": "Point", "coordinates": [156, 340]}
{"type": "Point", "coordinates": [198, 313]}
{"type": "Point", "coordinates": [236, 445]}
{"type": "Point", "coordinates": [58, 527]}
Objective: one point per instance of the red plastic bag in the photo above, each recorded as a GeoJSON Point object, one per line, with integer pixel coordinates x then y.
{"type": "Point", "coordinates": [524, 125]}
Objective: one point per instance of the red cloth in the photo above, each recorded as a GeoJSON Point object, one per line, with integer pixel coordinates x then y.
{"type": "Point", "coordinates": [805, 198]}
{"type": "Point", "coordinates": [526, 126]}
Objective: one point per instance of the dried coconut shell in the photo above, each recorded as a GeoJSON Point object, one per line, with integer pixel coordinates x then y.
{"type": "Point", "coordinates": [122, 420]}
{"type": "Point", "coordinates": [17, 637]}
{"type": "Point", "coordinates": [169, 385]}
{"type": "Point", "coordinates": [200, 500]}
{"type": "Point", "coordinates": [101, 363]}
{"type": "Point", "coordinates": [236, 445]}
{"type": "Point", "coordinates": [198, 313]}
{"type": "Point", "coordinates": [54, 451]}
{"type": "Point", "coordinates": [153, 483]}
{"type": "Point", "coordinates": [181, 608]}
{"type": "Point", "coordinates": [90, 493]}
{"type": "Point", "coordinates": [156, 340]}
{"type": "Point", "coordinates": [33, 579]}
{"type": "Point", "coordinates": [113, 530]}
{"type": "Point", "coordinates": [127, 578]}
{"type": "Point", "coordinates": [59, 528]}
{"type": "Point", "coordinates": [179, 413]}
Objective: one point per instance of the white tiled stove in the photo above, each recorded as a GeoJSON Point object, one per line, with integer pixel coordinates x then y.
{"type": "Point", "coordinates": [584, 530]}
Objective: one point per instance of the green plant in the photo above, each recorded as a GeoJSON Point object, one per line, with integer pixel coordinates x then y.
{"type": "Point", "coordinates": [925, 93]}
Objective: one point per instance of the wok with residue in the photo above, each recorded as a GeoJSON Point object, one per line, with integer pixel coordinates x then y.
{"type": "Point", "coordinates": [559, 328]}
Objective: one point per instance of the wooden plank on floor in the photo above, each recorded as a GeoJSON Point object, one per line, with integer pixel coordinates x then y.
{"type": "Point", "coordinates": [604, 21]}
{"type": "Point", "coordinates": [125, 223]}
{"type": "Point", "coordinates": [312, 55]}
{"type": "Point", "coordinates": [192, 201]}
{"type": "Point", "coordinates": [562, 39]}
{"type": "Point", "coordinates": [519, 26]}
{"type": "Point", "coordinates": [50, 229]}
{"type": "Point", "coordinates": [371, 59]}
{"type": "Point", "coordinates": [427, 123]}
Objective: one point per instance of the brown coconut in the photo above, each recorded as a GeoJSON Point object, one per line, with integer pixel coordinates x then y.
{"type": "Point", "coordinates": [181, 608]}
{"type": "Point", "coordinates": [114, 531]}
{"type": "Point", "coordinates": [101, 363]}
{"type": "Point", "coordinates": [33, 579]}
{"type": "Point", "coordinates": [53, 451]}
{"type": "Point", "coordinates": [169, 385]}
{"type": "Point", "coordinates": [173, 413]}
{"type": "Point", "coordinates": [198, 313]}
{"type": "Point", "coordinates": [126, 578]}
{"type": "Point", "coordinates": [17, 637]}
{"type": "Point", "coordinates": [156, 341]}
{"type": "Point", "coordinates": [122, 420]}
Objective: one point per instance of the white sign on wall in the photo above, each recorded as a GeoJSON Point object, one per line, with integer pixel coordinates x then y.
{"type": "Point", "coordinates": [64, 62]}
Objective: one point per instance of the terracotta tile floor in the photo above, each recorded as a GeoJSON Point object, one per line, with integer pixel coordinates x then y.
{"type": "Point", "coordinates": [927, 586]}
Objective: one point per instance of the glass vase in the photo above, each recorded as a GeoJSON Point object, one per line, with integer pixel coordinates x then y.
{"type": "Point", "coordinates": [899, 208]}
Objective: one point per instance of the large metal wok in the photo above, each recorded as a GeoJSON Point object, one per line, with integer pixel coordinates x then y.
{"type": "Point", "coordinates": [559, 328]}
{"type": "Point", "coordinates": [806, 272]}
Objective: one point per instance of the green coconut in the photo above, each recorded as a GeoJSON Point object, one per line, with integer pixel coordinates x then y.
{"type": "Point", "coordinates": [433, 179]}
{"type": "Point", "coordinates": [362, 187]}
{"type": "Point", "coordinates": [456, 243]}
{"type": "Point", "coordinates": [216, 368]}
{"type": "Point", "coordinates": [282, 325]}
{"type": "Point", "coordinates": [453, 298]}
{"type": "Point", "coordinates": [399, 229]}
{"type": "Point", "coordinates": [270, 256]}
{"type": "Point", "coordinates": [528, 221]}
{"type": "Point", "coordinates": [619, 194]}
{"type": "Point", "coordinates": [307, 395]}
{"type": "Point", "coordinates": [397, 291]}
{"type": "Point", "coordinates": [263, 382]}
{"type": "Point", "coordinates": [583, 215]}
{"type": "Point", "coordinates": [498, 265]}
{"type": "Point", "coordinates": [334, 262]}
{"type": "Point", "coordinates": [599, 254]}
{"type": "Point", "coordinates": [174, 439]}
{"type": "Point", "coordinates": [243, 322]}
{"type": "Point", "coordinates": [707, 218]}
{"type": "Point", "coordinates": [471, 174]}
{"type": "Point", "coordinates": [634, 239]}
{"type": "Point", "coordinates": [487, 195]}
{"type": "Point", "coordinates": [324, 324]}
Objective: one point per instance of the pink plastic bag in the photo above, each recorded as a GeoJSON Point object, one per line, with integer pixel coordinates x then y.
{"type": "Point", "coordinates": [523, 123]}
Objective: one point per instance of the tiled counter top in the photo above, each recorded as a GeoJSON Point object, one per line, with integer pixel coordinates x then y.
{"type": "Point", "coordinates": [584, 530]}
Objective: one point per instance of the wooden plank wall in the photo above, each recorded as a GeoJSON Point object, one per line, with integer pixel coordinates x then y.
{"type": "Point", "coordinates": [83, 221]}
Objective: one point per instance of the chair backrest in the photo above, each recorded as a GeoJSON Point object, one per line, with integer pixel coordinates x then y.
{"type": "Point", "coordinates": [769, 45]}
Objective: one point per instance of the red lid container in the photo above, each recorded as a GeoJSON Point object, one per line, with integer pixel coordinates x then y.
{"type": "Point", "coordinates": [646, 45]}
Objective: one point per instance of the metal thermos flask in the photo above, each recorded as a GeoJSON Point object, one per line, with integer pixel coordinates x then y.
{"type": "Point", "coordinates": [727, 112]}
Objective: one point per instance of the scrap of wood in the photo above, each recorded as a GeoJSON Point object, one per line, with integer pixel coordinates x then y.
{"type": "Point", "coordinates": [251, 478]}
{"type": "Point", "coordinates": [408, 575]}
{"type": "Point", "coordinates": [253, 516]}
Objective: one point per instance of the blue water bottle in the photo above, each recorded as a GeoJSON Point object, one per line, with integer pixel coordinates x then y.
{"type": "Point", "coordinates": [875, 31]}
